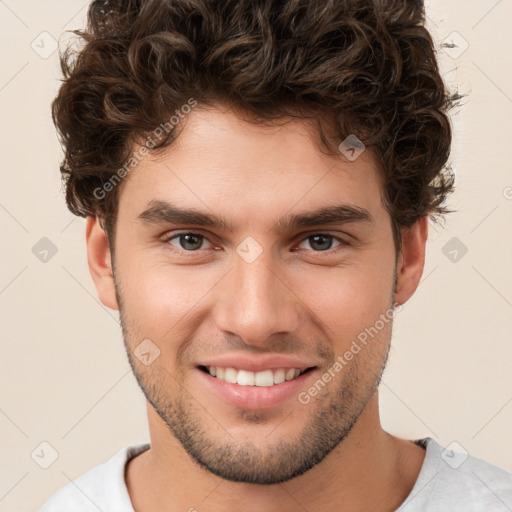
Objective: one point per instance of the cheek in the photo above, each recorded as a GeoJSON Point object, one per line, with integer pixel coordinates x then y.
{"type": "Point", "coordinates": [162, 297]}
{"type": "Point", "coordinates": [348, 299]}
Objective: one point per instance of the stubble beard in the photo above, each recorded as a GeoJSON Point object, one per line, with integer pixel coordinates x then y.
{"type": "Point", "coordinates": [329, 422]}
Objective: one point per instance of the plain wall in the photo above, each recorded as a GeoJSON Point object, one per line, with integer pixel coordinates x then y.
{"type": "Point", "coordinates": [64, 375]}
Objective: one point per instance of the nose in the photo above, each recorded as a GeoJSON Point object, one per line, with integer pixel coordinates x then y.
{"type": "Point", "coordinates": [254, 302]}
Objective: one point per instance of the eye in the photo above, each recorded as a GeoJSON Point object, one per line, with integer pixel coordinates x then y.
{"type": "Point", "coordinates": [322, 241]}
{"type": "Point", "coordinates": [189, 242]}
{"type": "Point", "coordinates": [193, 242]}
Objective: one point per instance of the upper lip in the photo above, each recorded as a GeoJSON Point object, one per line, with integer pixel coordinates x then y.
{"type": "Point", "coordinates": [257, 364]}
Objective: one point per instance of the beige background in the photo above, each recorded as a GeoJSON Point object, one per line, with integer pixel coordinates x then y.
{"type": "Point", "coordinates": [64, 375]}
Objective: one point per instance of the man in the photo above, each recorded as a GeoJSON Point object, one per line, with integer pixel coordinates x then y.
{"type": "Point", "coordinates": [257, 177]}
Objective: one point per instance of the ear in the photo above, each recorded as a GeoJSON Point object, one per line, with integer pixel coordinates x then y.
{"type": "Point", "coordinates": [99, 260]}
{"type": "Point", "coordinates": [411, 260]}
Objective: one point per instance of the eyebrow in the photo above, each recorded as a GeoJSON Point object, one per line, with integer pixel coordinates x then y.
{"type": "Point", "coordinates": [163, 212]}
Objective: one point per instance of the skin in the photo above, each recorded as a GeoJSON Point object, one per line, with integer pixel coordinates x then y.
{"type": "Point", "coordinates": [294, 299]}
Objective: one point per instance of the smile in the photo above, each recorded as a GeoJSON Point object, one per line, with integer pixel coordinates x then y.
{"type": "Point", "coordinates": [265, 378]}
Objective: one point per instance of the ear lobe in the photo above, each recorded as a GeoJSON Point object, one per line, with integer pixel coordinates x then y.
{"type": "Point", "coordinates": [100, 264]}
{"type": "Point", "coordinates": [411, 260]}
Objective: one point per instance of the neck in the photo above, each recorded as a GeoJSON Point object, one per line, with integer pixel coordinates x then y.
{"type": "Point", "coordinates": [368, 470]}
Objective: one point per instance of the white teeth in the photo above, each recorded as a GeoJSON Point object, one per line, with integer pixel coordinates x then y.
{"type": "Point", "coordinates": [230, 375]}
{"type": "Point", "coordinates": [279, 376]}
{"type": "Point", "coordinates": [290, 374]}
{"type": "Point", "coordinates": [247, 378]}
{"type": "Point", "coordinates": [264, 378]}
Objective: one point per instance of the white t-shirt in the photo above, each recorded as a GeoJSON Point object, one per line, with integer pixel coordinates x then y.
{"type": "Point", "coordinates": [448, 482]}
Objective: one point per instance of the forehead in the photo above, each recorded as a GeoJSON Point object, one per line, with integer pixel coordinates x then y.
{"type": "Point", "coordinates": [222, 161]}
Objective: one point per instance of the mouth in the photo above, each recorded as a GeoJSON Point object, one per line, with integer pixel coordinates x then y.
{"type": "Point", "coordinates": [264, 389]}
{"type": "Point", "coordinates": [265, 378]}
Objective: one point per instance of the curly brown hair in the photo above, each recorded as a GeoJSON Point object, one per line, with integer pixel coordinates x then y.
{"type": "Point", "coordinates": [365, 67]}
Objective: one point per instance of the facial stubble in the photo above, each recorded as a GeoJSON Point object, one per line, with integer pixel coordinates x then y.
{"type": "Point", "coordinates": [330, 419]}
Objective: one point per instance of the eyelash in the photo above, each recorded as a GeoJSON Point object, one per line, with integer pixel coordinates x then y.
{"type": "Point", "coordinates": [342, 243]}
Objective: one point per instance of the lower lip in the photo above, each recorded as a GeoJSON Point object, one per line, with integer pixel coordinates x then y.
{"type": "Point", "coordinates": [255, 397]}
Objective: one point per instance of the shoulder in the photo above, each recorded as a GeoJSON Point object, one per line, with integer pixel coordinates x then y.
{"type": "Point", "coordinates": [450, 479]}
{"type": "Point", "coordinates": [102, 487]}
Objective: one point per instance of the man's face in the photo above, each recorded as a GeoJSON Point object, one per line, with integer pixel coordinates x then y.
{"type": "Point", "coordinates": [255, 294]}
